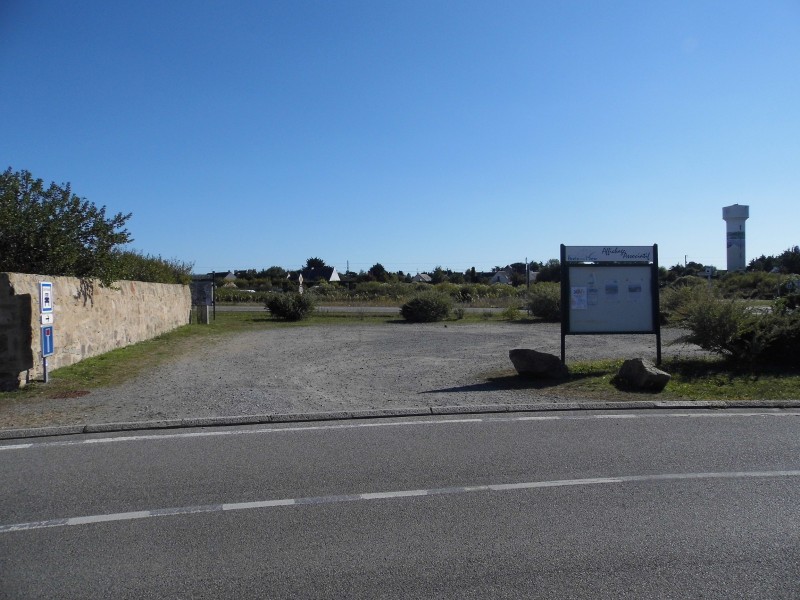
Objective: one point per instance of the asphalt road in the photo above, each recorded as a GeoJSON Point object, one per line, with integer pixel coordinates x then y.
{"type": "Point", "coordinates": [353, 310]}
{"type": "Point", "coordinates": [640, 504]}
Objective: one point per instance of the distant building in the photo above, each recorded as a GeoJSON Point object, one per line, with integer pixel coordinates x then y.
{"type": "Point", "coordinates": [501, 277]}
{"type": "Point", "coordinates": [734, 217]}
{"type": "Point", "coordinates": [229, 280]}
{"type": "Point", "coordinates": [421, 278]}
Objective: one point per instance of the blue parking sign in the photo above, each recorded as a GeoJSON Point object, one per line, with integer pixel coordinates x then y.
{"type": "Point", "coordinates": [45, 297]}
{"type": "Point", "coordinates": [48, 346]}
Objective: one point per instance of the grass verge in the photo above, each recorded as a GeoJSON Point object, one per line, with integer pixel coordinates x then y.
{"type": "Point", "coordinates": [695, 379]}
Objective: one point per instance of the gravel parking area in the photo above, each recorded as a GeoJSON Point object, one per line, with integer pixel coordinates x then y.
{"type": "Point", "coordinates": [333, 368]}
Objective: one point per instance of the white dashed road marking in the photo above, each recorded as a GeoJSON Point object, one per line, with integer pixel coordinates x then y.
{"type": "Point", "coordinates": [390, 495]}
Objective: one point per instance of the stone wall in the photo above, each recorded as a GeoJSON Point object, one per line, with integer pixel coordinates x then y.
{"type": "Point", "coordinates": [88, 320]}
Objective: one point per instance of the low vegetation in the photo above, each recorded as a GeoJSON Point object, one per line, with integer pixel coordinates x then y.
{"type": "Point", "coordinates": [544, 301]}
{"type": "Point", "coordinates": [692, 379]}
{"type": "Point", "coordinates": [746, 335]}
{"type": "Point", "coordinates": [427, 307]}
{"type": "Point", "coordinates": [290, 306]}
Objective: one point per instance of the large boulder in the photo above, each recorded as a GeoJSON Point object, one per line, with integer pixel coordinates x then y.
{"type": "Point", "coordinates": [639, 374]}
{"type": "Point", "coordinates": [532, 363]}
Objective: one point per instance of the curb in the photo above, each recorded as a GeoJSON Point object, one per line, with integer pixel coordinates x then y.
{"type": "Point", "coordinates": [11, 434]}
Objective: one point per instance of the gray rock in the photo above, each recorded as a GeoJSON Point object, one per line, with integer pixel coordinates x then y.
{"type": "Point", "coordinates": [641, 375]}
{"type": "Point", "coordinates": [532, 363]}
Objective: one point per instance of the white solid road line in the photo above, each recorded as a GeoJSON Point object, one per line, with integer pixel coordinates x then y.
{"type": "Point", "coordinates": [362, 425]}
{"type": "Point", "coordinates": [390, 495]}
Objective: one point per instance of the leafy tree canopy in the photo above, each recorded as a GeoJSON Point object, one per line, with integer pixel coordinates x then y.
{"type": "Point", "coordinates": [52, 231]}
{"type": "Point", "coordinates": [377, 272]}
{"type": "Point", "coordinates": [315, 263]}
{"type": "Point", "coordinates": [550, 271]}
{"type": "Point", "coordinates": [787, 261]}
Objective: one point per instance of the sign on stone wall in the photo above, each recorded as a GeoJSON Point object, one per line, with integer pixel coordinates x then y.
{"type": "Point", "coordinates": [48, 342]}
{"type": "Point", "coordinates": [202, 293]}
{"type": "Point", "coordinates": [45, 297]}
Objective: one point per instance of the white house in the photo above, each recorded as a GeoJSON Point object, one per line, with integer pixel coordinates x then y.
{"type": "Point", "coordinates": [501, 277]}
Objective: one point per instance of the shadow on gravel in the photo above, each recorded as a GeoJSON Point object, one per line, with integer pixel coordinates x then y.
{"type": "Point", "coordinates": [509, 382]}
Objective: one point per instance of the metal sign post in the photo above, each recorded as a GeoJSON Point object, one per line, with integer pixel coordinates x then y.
{"type": "Point", "coordinates": [48, 347]}
{"type": "Point", "coordinates": [46, 303]}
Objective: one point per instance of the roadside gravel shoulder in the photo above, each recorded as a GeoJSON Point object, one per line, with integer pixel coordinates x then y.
{"type": "Point", "coordinates": [323, 369]}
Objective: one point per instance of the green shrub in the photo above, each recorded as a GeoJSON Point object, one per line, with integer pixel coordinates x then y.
{"type": "Point", "coordinates": [458, 313]}
{"type": "Point", "coordinates": [544, 301]}
{"type": "Point", "coordinates": [754, 285]}
{"type": "Point", "coordinates": [510, 314]}
{"type": "Point", "coordinates": [290, 306]}
{"type": "Point", "coordinates": [135, 266]}
{"type": "Point", "coordinates": [672, 297]}
{"type": "Point", "coordinates": [734, 329]}
{"type": "Point", "coordinates": [427, 307]}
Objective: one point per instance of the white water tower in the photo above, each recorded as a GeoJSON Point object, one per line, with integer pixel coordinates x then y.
{"type": "Point", "coordinates": [734, 217]}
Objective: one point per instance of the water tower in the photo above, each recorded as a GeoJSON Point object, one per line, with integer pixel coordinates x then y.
{"type": "Point", "coordinates": [734, 217]}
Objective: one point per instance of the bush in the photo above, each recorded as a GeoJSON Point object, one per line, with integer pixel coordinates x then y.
{"type": "Point", "coordinates": [511, 313]}
{"type": "Point", "coordinates": [673, 297]}
{"type": "Point", "coordinates": [135, 266]}
{"type": "Point", "coordinates": [290, 306]}
{"type": "Point", "coordinates": [733, 329]}
{"type": "Point", "coordinates": [755, 285]}
{"type": "Point", "coordinates": [544, 301]}
{"type": "Point", "coordinates": [427, 307]}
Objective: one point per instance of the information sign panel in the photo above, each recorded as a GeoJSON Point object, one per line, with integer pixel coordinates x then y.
{"type": "Point", "coordinates": [609, 289]}
{"type": "Point", "coordinates": [610, 299]}
{"type": "Point", "coordinates": [202, 293]}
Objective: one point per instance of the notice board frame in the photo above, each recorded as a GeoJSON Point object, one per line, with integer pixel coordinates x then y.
{"type": "Point", "coordinates": [608, 290]}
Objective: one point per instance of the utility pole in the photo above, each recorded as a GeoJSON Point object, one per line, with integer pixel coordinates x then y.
{"type": "Point", "coordinates": [527, 274]}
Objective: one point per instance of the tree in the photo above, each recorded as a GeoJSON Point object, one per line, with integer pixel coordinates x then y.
{"type": "Point", "coordinates": [54, 232]}
{"type": "Point", "coordinates": [315, 263]}
{"type": "Point", "coordinates": [550, 271]}
{"type": "Point", "coordinates": [790, 260]}
{"type": "Point", "coordinates": [762, 263]}
{"type": "Point", "coordinates": [438, 275]}
{"type": "Point", "coordinates": [457, 278]}
{"type": "Point", "coordinates": [377, 272]}
{"type": "Point", "coordinates": [274, 273]}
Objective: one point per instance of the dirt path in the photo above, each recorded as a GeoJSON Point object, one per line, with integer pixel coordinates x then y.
{"type": "Point", "coordinates": [319, 368]}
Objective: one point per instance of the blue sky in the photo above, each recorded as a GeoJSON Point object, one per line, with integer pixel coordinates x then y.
{"type": "Point", "coordinates": [411, 133]}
